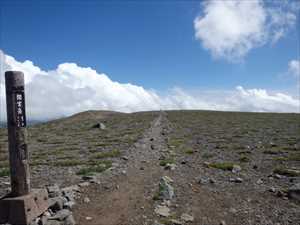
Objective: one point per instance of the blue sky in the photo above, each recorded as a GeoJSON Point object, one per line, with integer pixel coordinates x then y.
{"type": "Point", "coordinates": [145, 43]}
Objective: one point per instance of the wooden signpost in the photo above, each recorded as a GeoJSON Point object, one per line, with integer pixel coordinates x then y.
{"type": "Point", "coordinates": [22, 205]}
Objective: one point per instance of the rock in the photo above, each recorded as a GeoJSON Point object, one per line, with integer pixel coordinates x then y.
{"type": "Point", "coordinates": [61, 215]}
{"type": "Point", "coordinates": [152, 147]}
{"type": "Point", "coordinates": [84, 184]}
{"type": "Point", "coordinates": [162, 210]}
{"type": "Point", "coordinates": [170, 166]}
{"type": "Point", "coordinates": [86, 200]}
{"type": "Point", "coordinates": [56, 204]}
{"type": "Point", "coordinates": [176, 222]}
{"type": "Point", "coordinates": [88, 218]}
{"type": "Point", "coordinates": [53, 191]}
{"type": "Point", "coordinates": [187, 218]}
{"type": "Point", "coordinates": [222, 222]}
{"type": "Point", "coordinates": [69, 205]}
{"type": "Point", "coordinates": [277, 176]}
{"type": "Point", "coordinates": [69, 220]}
{"type": "Point", "coordinates": [53, 222]}
{"type": "Point", "coordinates": [88, 178]}
{"type": "Point", "coordinates": [100, 126]}
{"type": "Point", "coordinates": [236, 169]}
{"type": "Point", "coordinates": [272, 189]}
{"type": "Point", "coordinates": [157, 223]}
{"type": "Point", "coordinates": [259, 181]}
{"type": "Point", "coordinates": [166, 191]}
{"type": "Point", "coordinates": [294, 192]}
{"type": "Point", "coordinates": [236, 180]}
{"type": "Point", "coordinates": [125, 158]}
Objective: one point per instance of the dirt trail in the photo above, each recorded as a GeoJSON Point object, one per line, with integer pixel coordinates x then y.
{"type": "Point", "coordinates": [126, 198]}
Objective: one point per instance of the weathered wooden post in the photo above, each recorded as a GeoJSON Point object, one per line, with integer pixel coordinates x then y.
{"type": "Point", "coordinates": [16, 125]}
{"type": "Point", "coordinates": [22, 205]}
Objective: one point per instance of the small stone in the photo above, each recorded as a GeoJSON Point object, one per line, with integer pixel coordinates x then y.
{"type": "Point", "coordinates": [125, 158]}
{"type": "Point", "coordinates": [259, 181]}
{"type": "Point", "coordinates": [69, 205]}
{"type": "Point", "coordinates": [84, 184]}
{"type": "Point", "coordinates": [272, 189]}
{"type": "Point", "coordinates": [176, 222]}
{"type": "Point", "coordinates": [222, 222]}
{"type": "Point", "coordinates": [187, 218]}
{"type": "Point", "coordinates": [88, 218]}
{"type": "Point", "coordinates": [162, 210]}
{"type": "Point", "coordinates": [124, 172]}
{"type": "Point", "coordinates": [236, 180]}
{"type": "Point", "coordinates": [86, 200]}
{"type": "Point", "coordinates": [236, 169]}
{"type": "Point", "coordinates": [170, 166]}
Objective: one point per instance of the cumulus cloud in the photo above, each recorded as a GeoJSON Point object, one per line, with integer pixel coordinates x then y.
{"type": "Point", "coordinates": [229, 29]}
{"type": "Point", "coordinates": [294, 68]}
{"type": "Point", "coordinates": [71, 88]}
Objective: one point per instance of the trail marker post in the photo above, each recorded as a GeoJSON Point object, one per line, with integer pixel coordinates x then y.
{"type": "Point", "coordinates": [22, 205]}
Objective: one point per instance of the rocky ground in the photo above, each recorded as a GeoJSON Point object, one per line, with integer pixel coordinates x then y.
{"type": "Point", "coordinates": [175, 167]}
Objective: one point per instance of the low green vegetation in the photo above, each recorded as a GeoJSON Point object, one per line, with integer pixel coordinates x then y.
{"type": "Point", "coordinates": [244, 158]}
{"type": "Point", "coordinates": [287, 172]}
{"type": "Point", "coordinates": [68, 163]}
{"type": "Point", "coordinates": [98, 168]}
{"type": "Point", "coordinates": [110, 154]}
{"type": "Point", "coordinates": [189, 151]}
{"type": "Point", "coordinates": [164, 162]}
{"type": "Point", "coordinates": [4, 172]}
{"type": "Point", "coordinates": [222, 165]}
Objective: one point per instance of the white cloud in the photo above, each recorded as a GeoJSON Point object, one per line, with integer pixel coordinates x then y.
{"type": "Point", "coordinates": [294, 68]}
{"type": "Point", "coordinates": [70, 89]}
{"type": "Point", "coordinates": [229, 29]}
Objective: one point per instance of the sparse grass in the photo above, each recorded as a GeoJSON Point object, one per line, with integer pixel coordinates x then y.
{"type": "Point", "coordinates": [110, 154]}
{"type": "Point", "coordinates": [4, 164]}
{"type": "Point", "coordinates": [176, 142]}
{"type": "Point", "coordinates": [272, 152]}
{"type": "Point", "coordinates": [69, 163]}
{"type": "Point", "coordinates": [164, 162]}
{"type": "Point", "coordinates": [189, 151]}
{"type": "Point", "coordinates": [222, 165]}
{"type": "Point", "coordinates": [286, 172]}
{"type": "Point", "coordinates": [98, 168]}
{"type": "Point", "coordinates": [4, 172]}
{"type": "Point", "coordinates": [207, 155]}
{"type": "Point", "coordinates": [244, 158]}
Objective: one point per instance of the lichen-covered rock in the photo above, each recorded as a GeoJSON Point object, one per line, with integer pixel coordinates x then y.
{"type": "Point", "coordinates": [166, 191]}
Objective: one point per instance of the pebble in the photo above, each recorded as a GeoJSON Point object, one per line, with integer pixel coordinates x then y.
{"type": "Point", "coordinates": [162, 210]}
{"type": "Point", "coordinates": [187, 218]}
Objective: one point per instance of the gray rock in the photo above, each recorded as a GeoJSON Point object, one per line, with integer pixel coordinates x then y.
{"type": "Point", "coordinates": [56, 204]}
{"type": "Point", "coordinates": [53, 191]}
{"type": "Point", "coordinates": [61, 215]}
{"type": "Point", "coordinates": [162, 210]}
{"type": "Point", "coordinates": [69, 220]}
{"type": "Point", "coordinates": [53, 222]}
{"type": "Point", "coordinates": [236, 180]}
{"type": "Point", "coordinates": [166, 191]}
{"type": "Point", "coordinates": [69, 205]}
{"type": "Point", "coordinates": [294, 192]}
{"type": "Point", "coordinates": [100, 126]}
{"type": "Point", "coordinates": [86, 200]}
{"type": "Point", "coordinates": [236, 169]}
{"type": "Point", "coordinates": [187, 218]}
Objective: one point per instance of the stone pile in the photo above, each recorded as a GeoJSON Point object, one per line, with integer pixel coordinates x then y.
{"type": "Point", "coordinates": [61, 202]}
